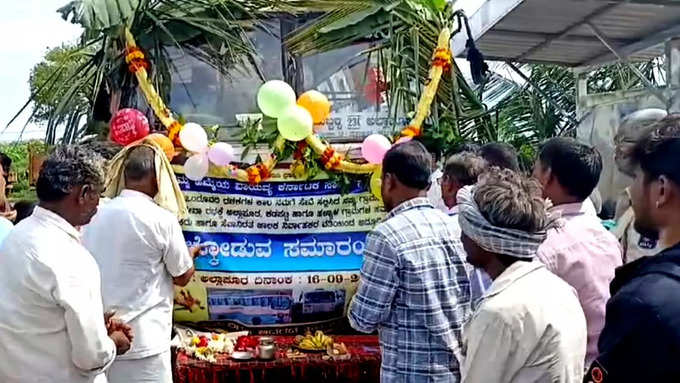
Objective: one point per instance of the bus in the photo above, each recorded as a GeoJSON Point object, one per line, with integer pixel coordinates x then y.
{"type": "Point", "coordinates": [250, 307]}
{"type": "Point", "coordinates": [319, 304]}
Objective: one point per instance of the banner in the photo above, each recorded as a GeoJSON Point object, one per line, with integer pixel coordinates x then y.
{"type": "Point", "coordinates": [276, 255]}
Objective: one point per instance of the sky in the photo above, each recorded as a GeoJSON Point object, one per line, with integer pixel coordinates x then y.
{"type": "Point", "coordinates": [27, 29]}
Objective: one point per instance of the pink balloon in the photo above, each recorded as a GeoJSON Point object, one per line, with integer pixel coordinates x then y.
{"type": "Point", "coordinates": [221, 154]}
{"type": "Point", "coordinates": [403, 139]}
{"type": "Point", "coordinates": [374, 148]}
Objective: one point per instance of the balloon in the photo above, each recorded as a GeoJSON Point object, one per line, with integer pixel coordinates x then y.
{"type": "Point", "coordinates": [197, 167]}
{"type": "Point", "coordinates": [374, 148]}
{"type": "Point", "coordinates": [375, 184]}
{"type": "Point", "coordinates": [164, 143]}
{"type": "Point", "coordinates": [128, 125]}
{"type": "Point", "coordinates": [221, 154]}
{"type": "Point", "coordinates": [403, 139]}
{"type": "Point", "coordinates": [295, 124]}
{"type": "Point", "coordinates": [274, 97]}
{"type": "Point", "coordinates": [194, 138]}
{"type": "Point", "coordinates": [317, 104]}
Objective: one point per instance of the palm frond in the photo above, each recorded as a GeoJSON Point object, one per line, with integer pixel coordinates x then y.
{"type": "Point", "coordinates": [213, 31]}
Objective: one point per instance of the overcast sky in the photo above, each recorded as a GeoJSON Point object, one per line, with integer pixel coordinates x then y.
{"type": "Point", "coordinates": [27, 29]}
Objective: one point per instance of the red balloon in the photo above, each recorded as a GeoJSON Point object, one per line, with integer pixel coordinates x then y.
{"type": "Point", "coordinates": [128, 126]}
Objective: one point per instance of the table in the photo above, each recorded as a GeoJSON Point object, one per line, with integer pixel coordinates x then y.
{"type": "Point", "coordinates": [363, 366]}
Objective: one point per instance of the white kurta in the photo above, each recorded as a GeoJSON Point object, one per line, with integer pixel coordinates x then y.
{"type": "Point", "coordinates": [528, 328]}
{"type": "Point", "coordinates": [51, 315]}
{"type": "Point", "coordinates": [139, 247]}
{"type": "Point", "coordinates": [434, 193]}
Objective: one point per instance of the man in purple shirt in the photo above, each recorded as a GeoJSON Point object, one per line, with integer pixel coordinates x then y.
{"type": "Point", "coordinates": [581, 251]}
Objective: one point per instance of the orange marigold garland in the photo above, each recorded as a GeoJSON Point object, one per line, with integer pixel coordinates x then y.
{"type": "Point", "coordinates": [411, 131]}
{"type": "Point", "coordinates": [442, 58]}
{"type": "Point", "coordinates": [135, 59]}
{"type": "Point", "coordinates": [330, 159]}
{"type": "Point", "coordinates": [441, 62]}
{"type": "Point", "coordinates": [258, 173]}
{"type": "Point", "coordinates": [173, 133]}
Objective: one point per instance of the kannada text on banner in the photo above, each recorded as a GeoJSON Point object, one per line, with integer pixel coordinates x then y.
{"type": "Point", "coordinates": [276, 254]}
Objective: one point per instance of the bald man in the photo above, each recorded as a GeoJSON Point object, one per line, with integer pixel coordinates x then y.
{"type": "Point", "coordinates": [141, 253]}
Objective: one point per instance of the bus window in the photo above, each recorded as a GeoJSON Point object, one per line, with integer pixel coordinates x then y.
{"type": "Point", "coordinates": [320, 297]}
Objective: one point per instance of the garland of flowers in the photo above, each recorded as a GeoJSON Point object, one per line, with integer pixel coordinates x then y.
{"type": "Point", "coordinates": [441, 63]}
{"type": "Point", "coordinates": [328, 156]}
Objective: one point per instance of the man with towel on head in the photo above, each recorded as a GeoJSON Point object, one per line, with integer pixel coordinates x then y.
{"type": "Point", "coordinates": [141, 252]}
{"type": "Point", "coordinates": [529, 326]}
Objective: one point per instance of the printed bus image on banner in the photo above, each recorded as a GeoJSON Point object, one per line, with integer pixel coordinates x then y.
{"type": "Point", "coordinates": [276, 255]}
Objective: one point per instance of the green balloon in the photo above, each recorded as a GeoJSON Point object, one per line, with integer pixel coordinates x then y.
{"type": "Point", "coordinates": [295, 124]}
{"type": "Point", "coordinates": [274, 97]}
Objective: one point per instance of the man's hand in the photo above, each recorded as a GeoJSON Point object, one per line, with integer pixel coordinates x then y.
{"type": "Point", "coordinates": [10, 215]}
{"type": "Point", "coordinates": [107, 317]}
{"type": "Point", "coordinates": [116, 324]}
{"type": "Point", "coordinates": [196, 251]}
{"type": "Point", "coordinates": [121, 341]}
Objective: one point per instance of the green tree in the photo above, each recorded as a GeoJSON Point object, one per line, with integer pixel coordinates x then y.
{"type": "Point", "coordinates": [58, 65]}
{"type": "Point", "coordinates": [527, 114]}
{"type": "Point", "coordinates": [213, 31]}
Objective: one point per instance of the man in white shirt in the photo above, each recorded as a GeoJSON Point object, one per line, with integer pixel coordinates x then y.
{"type": "Point", "coordinates": [529, 326]}
{"type": "Point", "coordinates": [141, 252]}
{"type": "Point", "coordinates": [52, 326]}
{"type": "Point", "coordinates": [629, 132]}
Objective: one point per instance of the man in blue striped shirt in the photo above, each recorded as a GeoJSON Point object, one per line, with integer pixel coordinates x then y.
{"type": "Point", "coordinates": [414, 285]}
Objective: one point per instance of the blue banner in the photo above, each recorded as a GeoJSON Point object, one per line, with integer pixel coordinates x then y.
{"type": "Point", "coordinates": [267, 189]}
{"type": "Point", "coordinates": [265, 253]}
{"type": "Point", "coordinates": [278, 256]}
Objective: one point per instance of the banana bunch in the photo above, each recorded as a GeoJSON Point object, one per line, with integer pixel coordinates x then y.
{"type": "Point", "coordinates": [318, 341]}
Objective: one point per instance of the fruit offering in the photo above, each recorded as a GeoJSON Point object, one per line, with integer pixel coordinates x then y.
{"type": "Point", "coordinates": [317, 342]}
{"type": "Point", "coordinates": [338, 351]}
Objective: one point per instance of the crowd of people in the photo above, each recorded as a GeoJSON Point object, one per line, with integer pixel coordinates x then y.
{"type": "Point", "coordinates": [88, 291]}
{"type": "Point", "coordinates": [521, 281]}
{"type": "Point", "coordinates": [512, 278]}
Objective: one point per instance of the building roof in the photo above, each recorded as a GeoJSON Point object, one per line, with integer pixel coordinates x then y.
{"type": "Point", "coordinates": [566, 32]}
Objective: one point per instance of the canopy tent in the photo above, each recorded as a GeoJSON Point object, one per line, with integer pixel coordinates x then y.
{"type": "Point", "coordinates": [584, 35]}
{"type": "Point", "coordinates": [574, 33]}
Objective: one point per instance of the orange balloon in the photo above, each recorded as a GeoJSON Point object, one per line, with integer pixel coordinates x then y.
{"type": "Point", "coordinates": [317, 104]}
{"type": "Point", "coordinates": [164, 143]}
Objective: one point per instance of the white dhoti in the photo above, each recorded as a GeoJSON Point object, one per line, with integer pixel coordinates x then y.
{"type": "Point", "coordinates": [152, 369]}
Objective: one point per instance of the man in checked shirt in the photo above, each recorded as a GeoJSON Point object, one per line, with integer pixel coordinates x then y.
{"type": "Point", "coordinates": [414, 284]}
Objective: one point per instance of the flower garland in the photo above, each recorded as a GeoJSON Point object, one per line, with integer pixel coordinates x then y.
{"type": "Point", "coordinates": [173, 133]}
{"type": "Point", "coordinates": [254, 174]}
{"type": "Point", "coordinates": [257, 173]}
{"type": "Point", "coordinates": [136, 60]}
{"type": "Point", "coordinates": [441, 62]}
{"type": "Point", "coordinates": [330, 159]}
{"type": "Point", "coordinates": [443, 58]}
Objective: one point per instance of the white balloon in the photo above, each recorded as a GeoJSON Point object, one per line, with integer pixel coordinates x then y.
{"type": "Point", "coordinates": [193, 138]}
{"type": "Point", "coordinates": [196, 167]}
